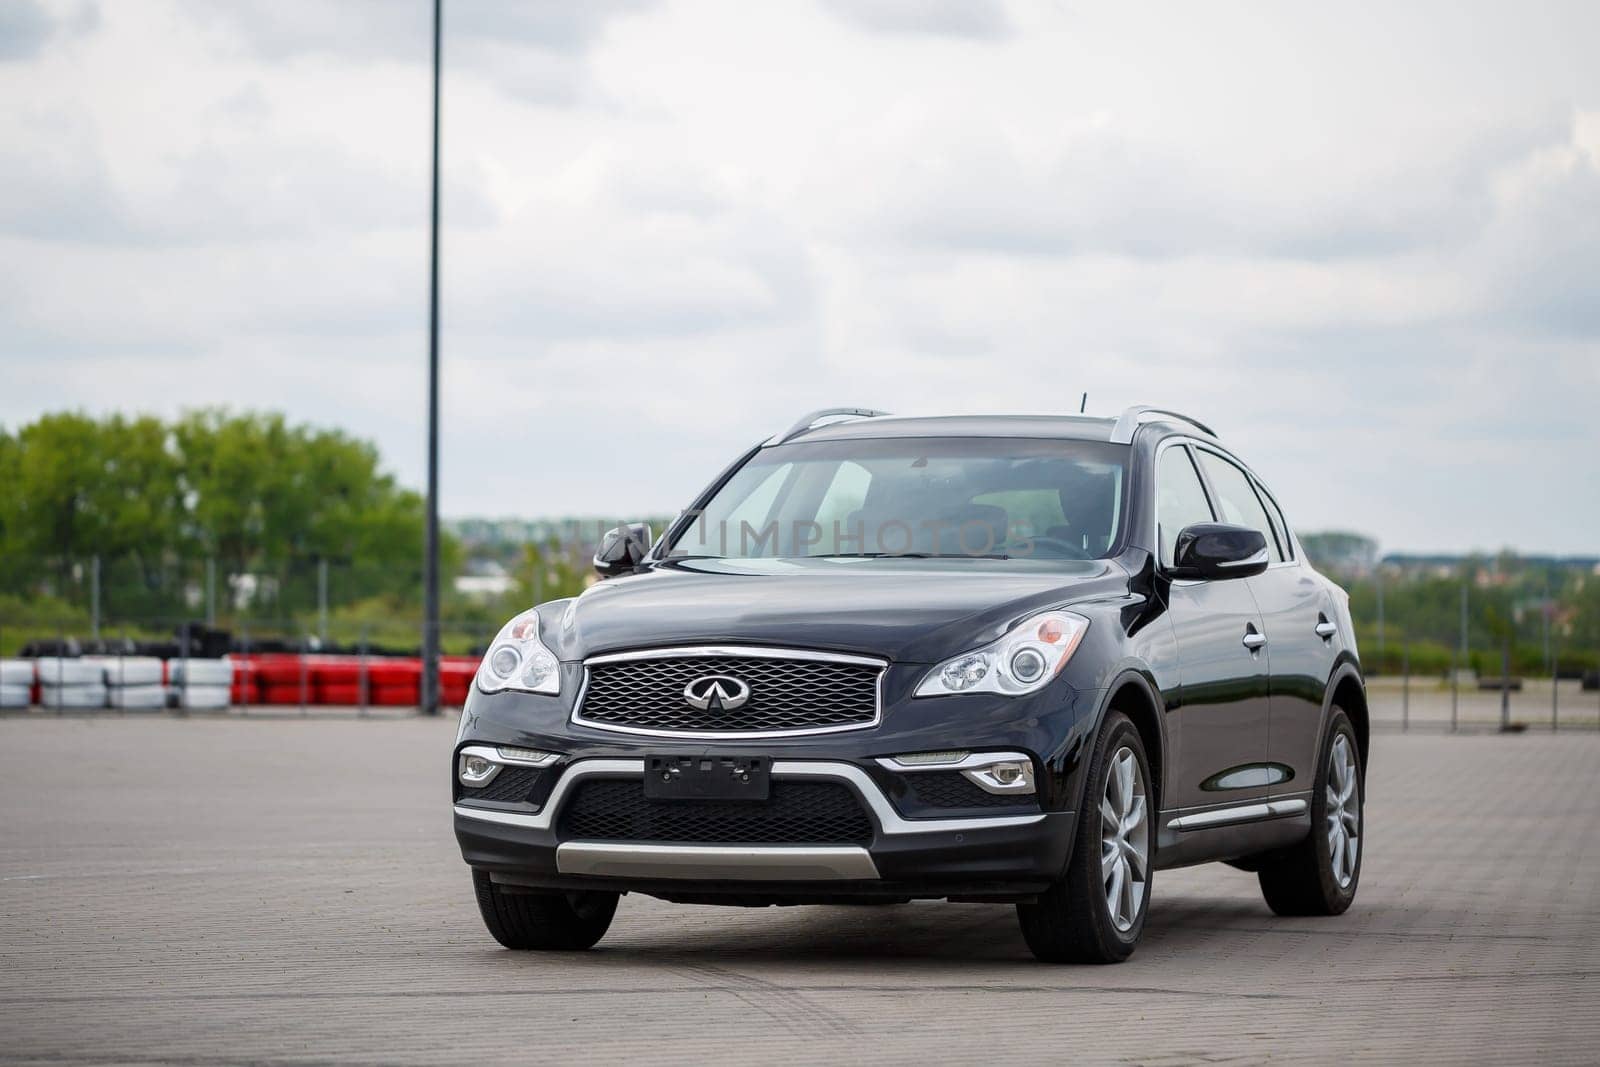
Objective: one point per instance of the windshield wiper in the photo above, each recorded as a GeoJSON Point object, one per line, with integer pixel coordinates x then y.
{"type": "Point", "coordinates": [909, 555]}
{"type": "Point", "coordinates": [867, 555]}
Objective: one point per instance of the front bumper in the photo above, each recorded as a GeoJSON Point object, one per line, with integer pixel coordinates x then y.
{"type": "Point", "coordinates": [970, 856]}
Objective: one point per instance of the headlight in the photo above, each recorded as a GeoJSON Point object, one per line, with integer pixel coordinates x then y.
{"type": "Point", "coordinates": [519, 660]}
{"type": "Point", "coordinates": [1022, 661]}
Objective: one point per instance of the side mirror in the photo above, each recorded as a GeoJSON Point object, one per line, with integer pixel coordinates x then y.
{"type": "Point", "coordinates": [1211, 550]}
{"type": "Point", "coordinates": [622, 549]}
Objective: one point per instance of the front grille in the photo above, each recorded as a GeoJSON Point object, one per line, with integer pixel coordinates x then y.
{"type": "Point", "coordinates": [797, 813]}
{"type": "Point", "coordinates": [952, 789]}
{"type": "Point", "coordinates": [786, 695]}
{"type": "Point", "coordinates": [512, 783]}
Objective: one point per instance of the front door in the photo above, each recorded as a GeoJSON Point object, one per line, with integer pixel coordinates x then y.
{"type": "Point", "coordinates": [1223, 695]}
{"type": "Point", "coordinates": [1223, 687]}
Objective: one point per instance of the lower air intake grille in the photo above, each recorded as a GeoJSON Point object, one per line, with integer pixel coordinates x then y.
{"type": "Point", "coordinates": [952, 789]}
{"type": "Point", "coordinates": [511, 784]}
{"type": "Point", "coordinates": [798, 813]}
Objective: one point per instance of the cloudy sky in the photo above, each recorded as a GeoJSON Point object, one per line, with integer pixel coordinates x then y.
{"type": "Point", "coordinates": [1363, 240]}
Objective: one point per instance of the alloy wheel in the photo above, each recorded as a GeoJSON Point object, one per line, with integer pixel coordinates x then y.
{"type": "Point", "coordinates": [1124, 840]}
{"type": "Point", "coordinates": [1344, 812]}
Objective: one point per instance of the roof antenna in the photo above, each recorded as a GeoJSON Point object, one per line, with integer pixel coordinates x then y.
{"type": "Point", "coordinates": [1085, 405]}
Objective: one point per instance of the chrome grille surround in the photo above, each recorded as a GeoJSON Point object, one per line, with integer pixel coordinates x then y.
{"type": "Point", "coordinates": [665, 690]}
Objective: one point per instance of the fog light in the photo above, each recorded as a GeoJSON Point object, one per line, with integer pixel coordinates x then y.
{"type": "Point", "coordinates": [476, 770]}
{"type": "Point", "coordinates": [1006, 776]}
{"type": "Point", "coordinates": [1006, 773]}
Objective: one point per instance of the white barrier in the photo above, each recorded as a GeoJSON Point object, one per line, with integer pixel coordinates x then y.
{"type": "Point", "coordinates": [133, 682]}
{"type": "Point", "coordinates": [130, 670]}
{"type": "Point", "coordinates": [205, 697]}
{"type": "Point", "coordinates": [16, 683]}
{"type": "Point", "coordinates": [136, 697]}
{"type": "Point", "coordinates": [202, 684]}
{"type": "Point", "coordinates": [124, 682]}
{"type": "Point", "coordinates": [83, 695]}
{"type": "Point", "coordinates": [202, 672]}
{"type": "Point", "coordinates": [62, 672]}
{"type": "Point", "coordinates": [15, 672]}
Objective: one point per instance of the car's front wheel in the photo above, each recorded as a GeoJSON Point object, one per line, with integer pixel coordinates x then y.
{"type": "Point", "coordinates": [1319, 875]}
{"type": "Point", "coordinates": [555, 921]}
{"type": "Point", "coordinates": [1095, 914]}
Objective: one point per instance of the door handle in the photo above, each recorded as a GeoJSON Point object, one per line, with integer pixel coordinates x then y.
{"type": "Point", "coordinates": [1253, 640]}
{"type": "Point", "coordinates": [1326, 629]}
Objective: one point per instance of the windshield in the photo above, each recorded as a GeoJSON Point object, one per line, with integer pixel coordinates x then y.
{"type": "Point", "coordinates": [978, 497]}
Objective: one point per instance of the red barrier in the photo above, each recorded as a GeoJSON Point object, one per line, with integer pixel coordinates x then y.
{"type": "Point", "coordinates": [286, 678]}
{"type": "Point", "coordinates": [340, 693]}
{"type": "Point", "coordinates": [283, 693]}
{"type": "Point", "coordinates": [396, 696]}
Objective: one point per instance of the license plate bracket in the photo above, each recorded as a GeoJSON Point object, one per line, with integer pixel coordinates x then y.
{"type": "Point", "coordinates": [680, 777]}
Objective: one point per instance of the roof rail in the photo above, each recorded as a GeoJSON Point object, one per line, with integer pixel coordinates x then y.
{"type": "Point", "coordinates": [811, 418]}
{"type": "Point", "coordinates": [1129, 421]}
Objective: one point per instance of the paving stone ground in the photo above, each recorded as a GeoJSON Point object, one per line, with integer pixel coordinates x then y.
{"type": "Point", "coordinates": [263, 892]}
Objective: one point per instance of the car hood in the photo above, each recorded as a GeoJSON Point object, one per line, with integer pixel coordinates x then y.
{"type": "Point", "coordinates": [905, 609]}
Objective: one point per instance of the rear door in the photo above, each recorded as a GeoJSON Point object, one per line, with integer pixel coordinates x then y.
{"type": "Point", "coordinates": [1301, 645]}
{"type": "Point", "coordinates": [1223, 682]}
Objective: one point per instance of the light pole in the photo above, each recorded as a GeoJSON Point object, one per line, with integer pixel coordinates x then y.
{"type": "Point", "coordinates": [430, 564]}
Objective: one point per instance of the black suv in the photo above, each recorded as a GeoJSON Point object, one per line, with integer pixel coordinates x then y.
{"type": "Point", "coordinates": [1025, 660]}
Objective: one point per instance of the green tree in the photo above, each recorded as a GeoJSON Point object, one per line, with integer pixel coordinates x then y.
{"type": "Point", "coordinates": [269, 501]}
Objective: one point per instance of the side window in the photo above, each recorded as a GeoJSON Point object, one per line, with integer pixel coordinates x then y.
{"type": "Point", "coordinates": [1279, 527]}
{"type": "Point", "coordinates": [1180, 499]}
{"type": "Point", "coordinates": [1237, 499]}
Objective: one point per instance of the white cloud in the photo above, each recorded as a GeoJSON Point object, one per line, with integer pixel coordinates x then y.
{"type": "Point", "coordinates": [1360, 241]}
{"type": "Point", "coordinates": [957, 18]}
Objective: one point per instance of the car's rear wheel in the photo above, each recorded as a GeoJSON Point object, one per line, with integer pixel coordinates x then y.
{"type": "Point", "coordinates": [1319, 875]}
{"type": "Point", "coordinates": [552, 921]}
{"type": "Point", "coordinates": [1095, 914]}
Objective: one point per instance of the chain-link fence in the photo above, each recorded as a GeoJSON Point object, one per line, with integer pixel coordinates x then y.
{"type": "Point", "coordinates": [1439, 654]}
{"type": "Point", "coordinates": [124, 635]}
{"type": "Point", "coordinates": [251, 668]}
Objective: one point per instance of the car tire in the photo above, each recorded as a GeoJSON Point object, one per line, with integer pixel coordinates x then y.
{"type": "Point", "coordinates": [1073, 921]}
{"type": "Point", "coordinates": [561, 922]}
{"type": "Point", "coordinates": [1308, 878]}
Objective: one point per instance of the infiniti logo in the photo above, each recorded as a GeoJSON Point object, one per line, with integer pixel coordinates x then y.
{"type": "Point", "coordinates": [716, 692]}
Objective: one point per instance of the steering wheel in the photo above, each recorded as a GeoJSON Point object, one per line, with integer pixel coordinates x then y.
{"type": "Point", "coordinates": [1064, 549]}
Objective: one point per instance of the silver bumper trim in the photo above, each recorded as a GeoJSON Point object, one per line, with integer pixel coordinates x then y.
{"type": "Point", "coordinates": [1245, 813]}
{"type": "Point", "coordinates": [973, 768]}
{"type": "Point", "coordinates": [890, 821]}
{"type": "Point", "coordinates": [704, 862]}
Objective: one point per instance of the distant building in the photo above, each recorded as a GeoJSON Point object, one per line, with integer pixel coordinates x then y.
{"type": "Point", "coordinates": [484, 579]}
{"type": "Point", "coordinates": [1345, 555]}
